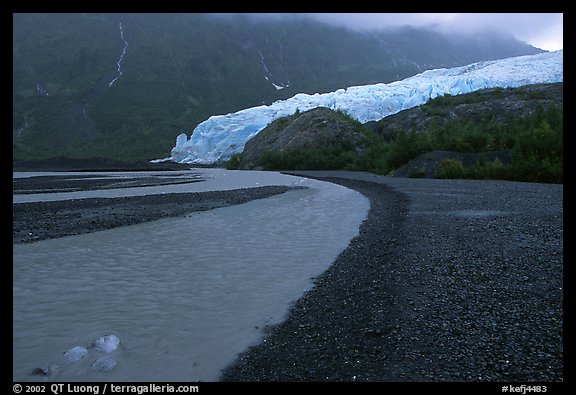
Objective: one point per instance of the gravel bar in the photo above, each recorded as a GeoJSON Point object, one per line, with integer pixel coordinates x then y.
{"type": "Point", "coordinates": [448, 281]}
{"type": "Point", "coordinates": [72, 183]}
{"type": "Point", "coordinates": [47, 220]}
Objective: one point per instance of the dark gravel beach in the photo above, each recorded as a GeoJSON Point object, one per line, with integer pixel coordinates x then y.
{"type": "Point", "coordinates": [47, 220]}
{"type": "Point", "coordinates": [448, 280]}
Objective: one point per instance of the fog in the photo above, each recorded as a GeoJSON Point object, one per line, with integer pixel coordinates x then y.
{"type": "Point", "coordinates": [542, 30]}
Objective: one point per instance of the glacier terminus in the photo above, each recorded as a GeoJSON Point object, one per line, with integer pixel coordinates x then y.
{"type": "Point", "coordinates": [221, 136]}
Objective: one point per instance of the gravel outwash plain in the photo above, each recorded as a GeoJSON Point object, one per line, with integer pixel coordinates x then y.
{"type": "Point", "coordinates": [448, 281]}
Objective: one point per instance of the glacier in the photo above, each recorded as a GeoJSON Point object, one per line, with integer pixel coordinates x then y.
{"type": "Point", "coordinates": [219, 137]}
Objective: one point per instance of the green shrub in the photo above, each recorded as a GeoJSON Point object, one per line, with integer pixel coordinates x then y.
{"type": "Point", "coordinates": [331, 157]}
{"type": "Point", "coordinates": [451, 168]}
{"type": "Point", "coordinates": [234, 162]}
{"type": "Point", "coordinates": [417, 172]}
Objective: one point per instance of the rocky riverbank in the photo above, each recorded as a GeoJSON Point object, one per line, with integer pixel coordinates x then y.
{"type": "Point", "coordinates": [448, 280]}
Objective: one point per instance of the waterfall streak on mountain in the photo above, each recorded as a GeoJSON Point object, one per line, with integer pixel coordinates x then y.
{"type": "Point", "coordinates": [121, 56]}
{"type": "Point", "coordinates": [19, 131]}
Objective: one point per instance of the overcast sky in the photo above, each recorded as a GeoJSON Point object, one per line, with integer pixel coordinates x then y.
{"type": "Point", "coordinates": [544, 31]}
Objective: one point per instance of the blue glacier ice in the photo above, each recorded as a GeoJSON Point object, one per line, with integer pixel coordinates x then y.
{"type": "Point", "coordinates": [220, 136]}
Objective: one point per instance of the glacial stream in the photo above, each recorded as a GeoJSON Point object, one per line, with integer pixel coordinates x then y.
{"type": "Point", "coordinates": [184, 295]}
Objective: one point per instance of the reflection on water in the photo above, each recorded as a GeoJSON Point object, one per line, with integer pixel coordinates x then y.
{"type": "Point", "coordinates": [185, 295]}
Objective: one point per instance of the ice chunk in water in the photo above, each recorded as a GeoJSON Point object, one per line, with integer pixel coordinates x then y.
{"type": "Point", "coordinates": [107, 343]}
{"type": "Point", "coordinates": [103, 365]}
{"type": "Point", "coordinates": [75, 353]}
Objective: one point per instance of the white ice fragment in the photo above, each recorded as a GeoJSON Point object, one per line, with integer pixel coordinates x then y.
{"type": "Point", "coordinates": [103, 365]}
{"type": "Point", "coordinates": [75, 353]}
{"type": "Point", "coordinates": [107, 343]}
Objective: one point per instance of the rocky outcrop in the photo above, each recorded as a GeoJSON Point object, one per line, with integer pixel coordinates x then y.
{"type": "Point", "coordinates": [319, 127]}
{"type": "Point", "coordinates": [426, 165]}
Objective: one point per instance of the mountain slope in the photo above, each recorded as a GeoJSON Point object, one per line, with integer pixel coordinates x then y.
{"type": "Point", "coordinates": [173, 71]}
{"type": "Point", "coordinates": [494, 104]}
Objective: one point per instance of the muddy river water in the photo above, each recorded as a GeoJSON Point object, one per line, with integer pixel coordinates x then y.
{"type": "Point", "coordinates": [184, 295]}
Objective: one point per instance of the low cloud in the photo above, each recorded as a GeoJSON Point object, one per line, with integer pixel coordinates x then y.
{"type": "Point", "coordinates": [543, 30]}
